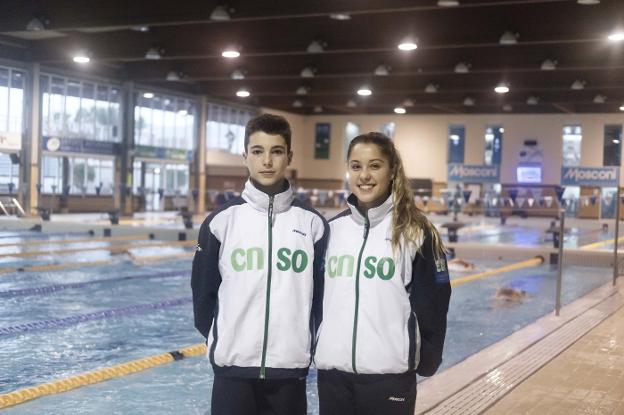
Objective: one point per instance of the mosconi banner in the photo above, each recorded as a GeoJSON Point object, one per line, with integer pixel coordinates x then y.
{"type": "Point", "coordinates": [590, 176]}
{"type": "Point", "coordinates": [474, 173]}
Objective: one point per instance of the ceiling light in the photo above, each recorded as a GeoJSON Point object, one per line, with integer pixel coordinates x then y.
{"type": "Point", "coordinates": [364, 91]}
{"type": "Point", "coordinates": [399, 110]}
{"type": "Point", "coordinates": [238, 74]}
{"type": "Point", "coordinates": [154, 53]}
{"type": "Point", "coordinates": [340, 16]}
{"type": "Point", "coordinates": [600, 99]}
{"type": "Point", "coordinates": [407, 45]}
{"type": "Point", "coordinates": [622, 108]}
{"type": "Point", "coordinates": [242, 93]}
{"type": "Point", "coordinates": [142, 29]}
{"type": "Point", "coordinates": [173, 76]}
{"type": "Point", "coordinates": [382, 70]}
{"type": "Point", "coordinates": [316, 46]}
{"type": "Point", "coordinates": [615, 141]}
{"type": "Point", "coordinates": [462, 67]}
{"type": "Point", "coordinates": [431, 88]}
{"type": "Point", "coordinates": [501, 89]}
{"type": "Point", "coordinates": [507, 107]}
{"type": "Point", "coordinates": [578, 84]}
{"type": "Point", "coordinates": [318, 108]}
{"type": "Point", "coordinates": [448, 3]}
{"type": "Point", "coordinates": [408, 103]}
{"type": "Point", "coordinates": [230, 53]}
{"type": "Point", "coordinates": [297, 103]}
{"type": "Point", "coordinates": [302, 90]}
{"type": "Point", "coordinates": [82, 57]}
{"type": "Point", "coordinates": [351, 103]}
{"type": "Point", "coordinates": [588, 2]}
{"type": "Point", "coordinates": [148, 95]}
{"type": "Point", "coordinates": [469, 102]}
{"type": "Point", "coordinates": [220, 14]}
{"type": "Point", "coordinates": [308, 72]}
{"type": "Point", "coordinates": [37, 23]}
{"type": "Point", "coordinates": [549, 65]}
{"type": "Point", "coordinates": [509, 38]}
{"type": "Point", "coordinates": [616, 37]}
{"type": "Point", "coordinates": [532, 100]}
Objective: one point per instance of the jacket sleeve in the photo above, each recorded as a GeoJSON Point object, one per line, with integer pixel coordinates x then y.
{"type": "Point", "coordinates": [319, 279]}
{"type": "Point", "coordinates": [205, 279]}
{"type": "Point", "coordinates": [430, 293]}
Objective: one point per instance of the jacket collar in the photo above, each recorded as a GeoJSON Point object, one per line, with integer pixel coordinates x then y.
{"type": "Point", "coordinates": [375, 215]}
{"type": "Point", "coordinates": [260, 200]}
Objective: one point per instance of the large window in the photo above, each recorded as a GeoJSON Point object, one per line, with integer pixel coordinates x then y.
{"type": "Point", "coordinates": [9, 173]}
{"type": "Point", "coordinates": [352, 130]}
{"type": "Point", "coordinates": [85, 175]}
{"type": "Point", "coordinates": [225, 128]}
{"type": "Point", "coordinates": [572, 137]}
{"type": "Point", "coordinates": [164, 121]}
{"type": "Point", "coordinates": [11, 100]}
{"type": "Point", "coordinates": [612, 147]}
{"type": "Point", "coordinates": [80, 109]}
{"type": "Point", "coordinates": [456, 143]}
{"type": "Point", "coordinates": [493, 144]}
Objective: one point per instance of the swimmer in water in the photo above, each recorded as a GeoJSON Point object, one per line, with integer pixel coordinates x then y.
{"type": "Point", "coordinates": [457, 264]}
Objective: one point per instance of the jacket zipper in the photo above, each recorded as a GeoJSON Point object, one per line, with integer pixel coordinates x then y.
{"type": "Point", "coordinates": [268, 293]}
{"type": "Point", "coordinates": [357, 295]}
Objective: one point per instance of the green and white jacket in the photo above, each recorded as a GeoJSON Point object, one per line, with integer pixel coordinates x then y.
{"type": "Point", "coordinates": [257, 284]}
{"type": "Point", "coordinates": [382, 313]}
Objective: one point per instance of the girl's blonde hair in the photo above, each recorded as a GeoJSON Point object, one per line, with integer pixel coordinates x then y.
{"type": "Point", "coordinates": [408, 221]}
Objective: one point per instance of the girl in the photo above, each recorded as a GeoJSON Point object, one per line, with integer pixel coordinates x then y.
{"type": "Point", "coordinates": [386, 291]}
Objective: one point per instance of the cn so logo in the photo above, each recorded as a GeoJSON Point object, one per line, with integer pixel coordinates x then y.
{"type": "Point", "coordinates": [253, 259]}
{"type": "Point", "coordinates": [343, 266]}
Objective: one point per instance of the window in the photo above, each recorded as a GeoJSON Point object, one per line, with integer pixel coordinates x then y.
{"type": "Point", "coordinates": [78, 109]}
{"type": "Point", "coordinates": [164, 121]}
{"type": "Point", "coordinates": [457, 136]}
{"type": "Point", "coordinates": [225, 128]}
{"type": "Point", "coordinates": [352, 130]}
{"type": "Point", "coordinates": [387, 129]}
{"type": "Point", "coordinates": [572, 136]}
{"type": "Point", "coordinates": [11, 100]}
{"type": "Point", "coordinates": [86, 175]}
{"type": "Point", "coordinates": [52, 174]}
{"type": "Point", "coordinates": [493, 144]}
{"type": "Point", "coordinates": [612, 147]}
{"type": "Point", "coordinates": [9, 173]}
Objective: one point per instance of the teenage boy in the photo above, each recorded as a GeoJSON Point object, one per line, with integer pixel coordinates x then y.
{"type": "Point", "coordinates": [257, 283]}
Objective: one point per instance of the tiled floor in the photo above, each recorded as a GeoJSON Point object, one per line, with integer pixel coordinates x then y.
{"type": "Point", "coordinates": [588, 378]}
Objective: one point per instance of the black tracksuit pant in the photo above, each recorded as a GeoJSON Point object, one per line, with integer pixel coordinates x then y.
{"type": "Point", "coordinates": [242, 396]}
{"type": "Point", "coordinates": [342, 393]}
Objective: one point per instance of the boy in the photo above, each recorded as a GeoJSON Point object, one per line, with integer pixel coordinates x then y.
{"type": "Point", "coordinates": [257, 283]}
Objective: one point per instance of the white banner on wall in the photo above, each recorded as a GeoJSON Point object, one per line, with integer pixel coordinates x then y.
{"type": "Point", "coordinates": [10, 141]}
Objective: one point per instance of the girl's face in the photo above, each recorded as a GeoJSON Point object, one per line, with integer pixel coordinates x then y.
{"type": "Point", "coordinates": [370, 175]}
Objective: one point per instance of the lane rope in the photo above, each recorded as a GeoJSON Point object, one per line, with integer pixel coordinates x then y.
{"type": "Point", "coordinates": [97, 315]}
{"type": "Point", "coordinates": [49, 289]}
{"type": "Point", "coordinates": [600, 244]}
{"type": "Point", "coordinates": [81, 240]}
{"type": "Point", "coordinates": [99, 375]}
{"type": "Point", "coordinates": [118, 248]}
{"type": "Point", "coordinates": [538, 260]}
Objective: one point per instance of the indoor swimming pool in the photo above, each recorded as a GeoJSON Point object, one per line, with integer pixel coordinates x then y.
{"type": "Point", "coordinates": [59, 323]}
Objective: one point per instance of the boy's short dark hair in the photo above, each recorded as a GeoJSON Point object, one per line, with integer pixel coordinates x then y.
{"type": "Point", "coordinates": [269, 124]}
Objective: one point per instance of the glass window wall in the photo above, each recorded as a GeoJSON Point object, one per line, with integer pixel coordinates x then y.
{"type": "Point", "coordinates": [225, 128]}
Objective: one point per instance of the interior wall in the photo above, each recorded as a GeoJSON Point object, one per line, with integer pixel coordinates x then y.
{"type": "Point", "coordinates": [423, 140]}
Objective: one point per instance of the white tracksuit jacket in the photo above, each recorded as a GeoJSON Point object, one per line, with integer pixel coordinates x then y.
{"type": "Point", "coordinates": [257, 284]}
{"type": "Point", "coordinates": [381, 314]}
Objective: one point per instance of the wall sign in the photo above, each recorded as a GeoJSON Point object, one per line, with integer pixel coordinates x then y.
{"type": "Point", "coordinates": [80, 145]}
{"type": "Point", "coordinates": [473, 173]}
{"type": "Point", "coordinates": [590, 176]}
{"type": "Point", "coordinates": [321, 140]}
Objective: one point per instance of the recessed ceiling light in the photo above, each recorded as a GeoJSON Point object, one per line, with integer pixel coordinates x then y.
{"type": "Point", "coordinates": [431, 88]}
{"type": "Point", "coordinates": [615, 141]}
{"type": "Point", "coordinates": [407, 45]}
{"type": "Point", "coordinates": [501, 89]}
{"type": "Point", "coordinates": [340, 16]}
{"type": "Point", "coordinates": [462, 67]}
{"type": "Point", "coordinates": [238, 74]}
{"type": "Point", "coordinates": [578, 84]}
{"type": "Point", "coordinates": [220, 14]}
{"type": "Point", "coordinates": [400, 110]}
{"type": "Point", "coordinates": [242, 93]}
{"type": "Point", "coordinates": [508, 38]}
{"type": "Point", "coordinates": [148, 95]}
{"type": "Point", "coordinates": [622, 108]}
{"type": "Point", "coordinates": [364, 91]}
{"type": "Point", "coordinates": [382, 70]}
{"type": "Point", "coordinates": [549, 65]}
{"type": "Point", "coordinates": [469, 102]}
{"type": "Point", "coordinates": [616, 37]}
{"type": "Point", "coordinates": [600, 99]}
{"type": "Point", "coordinates": [230, 53]}
{"type": "Point", "coordinates": [308, 72]}
{"type": "Point", "coordinates": [81, 57]}
{"type": "Point", "coordinates": [154, 53]}
{"type": "Point", "coordinates": [448, 3]}
{"type": "Point", "coordinates": [173, 76]}
{"type": "Point", "coordinates": [316, 46]}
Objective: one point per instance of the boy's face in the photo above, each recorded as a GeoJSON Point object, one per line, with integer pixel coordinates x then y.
{"type": "Point", "coordinates": [267, 158]}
